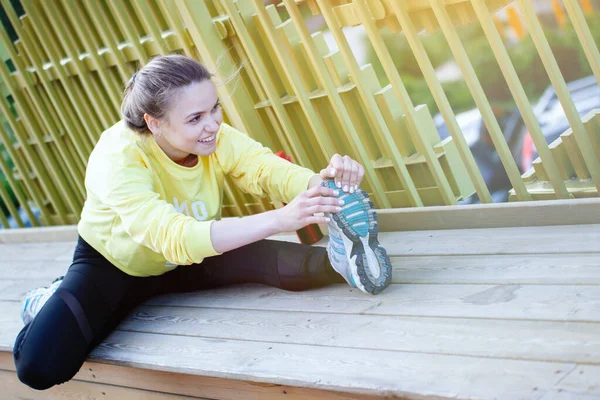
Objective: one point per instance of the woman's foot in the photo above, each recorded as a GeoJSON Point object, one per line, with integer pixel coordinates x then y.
{"type": "Point", "coordinates": [35, 299]}
{"type": "Point", "coordinates": [353, 249]}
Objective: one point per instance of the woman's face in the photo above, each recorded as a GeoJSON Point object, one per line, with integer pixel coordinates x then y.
{"type": "Point", "coordinates": [192, 122]}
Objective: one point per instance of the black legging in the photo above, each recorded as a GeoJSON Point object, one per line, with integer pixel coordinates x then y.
{"type": "Point", "coordinates": [95, 296]}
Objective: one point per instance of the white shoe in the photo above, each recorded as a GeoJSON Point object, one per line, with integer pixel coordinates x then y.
{"type": "Point", "coordinates": [353, 249]}
{"type": "Point", "coordinates": [35, 299]}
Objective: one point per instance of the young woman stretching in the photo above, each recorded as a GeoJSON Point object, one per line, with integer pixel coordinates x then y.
{"type": "Point", "coordinates": [151, 221]}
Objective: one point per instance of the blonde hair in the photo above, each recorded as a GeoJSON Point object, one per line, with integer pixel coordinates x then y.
{"type": "Point", "coordinates": [152, 88]}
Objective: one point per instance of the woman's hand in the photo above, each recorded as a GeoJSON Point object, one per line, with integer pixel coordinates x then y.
{"type": "Point", "coordinates": [346, 172]}
{"type": "Point", "coordinates": [300, 212]}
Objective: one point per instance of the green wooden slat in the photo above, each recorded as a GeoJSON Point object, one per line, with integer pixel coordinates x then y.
{"type": "Point", "coordinates": [442, 101]}
{"type": "Point", "coordinates": [123, 18]}
{"type": "Point", "coordinates": [26, 116]}
{"type": "Point", "coordinates": [149, 22]}
{"type": "Point", "coordinates": [460, 54]}
{"type": "Point", "coordinates": [98, 101]}
{"type": "Point", "coordinates": [76, 14]}
{"type": "Point", "coordinates": [109, 38]}
{"type": "Point", "coordinates": [562, 92]}
{"type": "Point", "coordinates": [406, 102]}
{"type": "Point", "coordinates": [518, 93]}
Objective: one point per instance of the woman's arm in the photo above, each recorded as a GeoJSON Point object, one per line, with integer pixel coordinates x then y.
{"type": "Point", "coordinates": [230, 234]}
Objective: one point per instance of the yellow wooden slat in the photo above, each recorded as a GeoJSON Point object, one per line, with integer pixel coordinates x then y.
{"type": "Point", "coordinates": [298, 153]}
{"type": "Point", "coordinates": [76, 14]}
{"type": "Point", "coordinates": [16, 188]}
{"type": "Point", "coordinates": [562, 92]}
{"type": "Point", "coordinates": [563, 162]}
{"type": "Point", "coordinates": [267, 140]}
{"type": "Point", "coordinates": [168, 9]}
{"type": "Point", "coordinates": [109, 38]}
{"type": "Point", "coordinates": [574, 153]}
{"type": "Point", "coordinates": [5, 198]}
{"type": "Point", "coordinates": [481, 100]}
{"type": "Point", "coordinates": [119, 11]}
{"type": "Point", "coordinates": [370, 108]}
{"type": "Point", "coordinates": [237, 103]}
{"type": "Point", "coordinates": [4, 221]}
{"type": "Point", "coordinates": [60, 116]}
{"type": "Point", "coordinates": [405, 101]}
{"type": "Point", "coordinates": [284, 52]}
{"type": "Point", "coordinates": [591, 122]}
{"type": "Point", "coordinates": [31, 158]}
{"type": "Point", "coordinates": [81, 129]}
{"type": "Point", "coordinates": [20, 162]}
{"type": "Point", "coordinates": [98, 101]}
{"type": "Point", "coordinates": [47, 157]}
{"type": "Point", "coordinates": [442, 101]}
{"type": "Point", "coordinates": [341, 113]}
{"type": "Point", "coordinates": [149, 22]}
{"type": "Point", "coordinates": [518, 93]}
{"type": "Point", "coordinates": [585, 35]}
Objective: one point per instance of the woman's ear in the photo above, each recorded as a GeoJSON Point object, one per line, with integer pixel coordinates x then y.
{"type": "Point", "coordinates": [152, 123]}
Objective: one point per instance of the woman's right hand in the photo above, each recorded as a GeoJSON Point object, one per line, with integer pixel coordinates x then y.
{"type": "Point", "coordinates": [300, 212]}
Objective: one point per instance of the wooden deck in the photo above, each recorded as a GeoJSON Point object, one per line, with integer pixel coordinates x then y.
{"type": "Point", "coordinates": [510, 312]}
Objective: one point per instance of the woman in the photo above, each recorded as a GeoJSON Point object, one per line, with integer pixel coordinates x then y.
{"type": "Point", "coordinates": [151, 221]}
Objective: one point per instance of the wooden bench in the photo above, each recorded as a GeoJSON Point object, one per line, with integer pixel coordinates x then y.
{"type": "Point", "coordinates": [495, 301]}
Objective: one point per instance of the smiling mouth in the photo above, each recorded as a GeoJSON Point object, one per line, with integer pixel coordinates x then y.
{"type": "Point", "coordinates": [208, 140]}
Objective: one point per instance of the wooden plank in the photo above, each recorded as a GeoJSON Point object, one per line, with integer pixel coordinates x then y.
{"type": "Point", "coordinates": [582, 383]}
{"type": "Point", "coordinates": [356, 371]}
{"type": "Point", "coordinates": [523, 214]}
{"type": "Point", "coordinates": [565, 239]}
{"type": "Point", "coordinates": [526, 340]}
{"type": "Point", "coordinates": [539, 269]}
{"type": "Point", "coordinates": [194, 385]}
{"type": "Point", "coordinates": [26, 270]}
{"type": "Point", "coordinates": [13, 388]}
{"type": "Point", "coordinates": [523, 302]}
{"type": "Point", "coordinates": [35, 251]}
{"type": "Point", "coordinates": [517, 214]}
{"type": "Point", "coordinates": [14, 290]}
{"type": "Point", "coordinates": [10, 323]}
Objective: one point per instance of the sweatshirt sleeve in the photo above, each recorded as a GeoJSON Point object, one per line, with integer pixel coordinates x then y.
{"type": "Point", "coordinates": [124, 184]}
{"type": "Point", "coordinates": [256, 170]}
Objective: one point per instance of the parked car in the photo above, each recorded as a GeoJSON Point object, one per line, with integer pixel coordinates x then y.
{"type": "Point", "coordinates": [585, 93]}
{"type": "Point", "coordinates": [548, 110]}
{"type": "Point", "coordinates": [482, 147]}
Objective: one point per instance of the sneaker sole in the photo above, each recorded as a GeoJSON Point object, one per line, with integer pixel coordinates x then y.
{"type": "Point", "coordinates": [365, 245]}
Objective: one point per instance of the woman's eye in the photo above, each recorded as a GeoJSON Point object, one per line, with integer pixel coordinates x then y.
{"type": "Point", "coordinates": [216, 108]}
{"type": "Point", "coordinates": [196, 119]}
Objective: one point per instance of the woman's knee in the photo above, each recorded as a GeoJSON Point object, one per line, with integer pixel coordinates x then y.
{"type": "Point", "coordinates": [37, 373]}
{"type": "Point", "coordinates": [45, 355]}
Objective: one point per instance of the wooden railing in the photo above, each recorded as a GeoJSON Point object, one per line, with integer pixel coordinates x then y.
{"type": "Point", "coordinates": [294, 93]}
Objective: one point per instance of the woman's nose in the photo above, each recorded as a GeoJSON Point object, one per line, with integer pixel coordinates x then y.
{"type": "Point", "coordinates": [212, 125]}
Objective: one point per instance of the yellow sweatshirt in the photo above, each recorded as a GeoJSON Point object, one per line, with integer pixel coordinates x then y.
{"type": "Point", "coordinates": [146, 214]}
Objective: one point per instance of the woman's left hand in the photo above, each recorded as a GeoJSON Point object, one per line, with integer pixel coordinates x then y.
{"type": "Point", "coordinates": [346, 172]}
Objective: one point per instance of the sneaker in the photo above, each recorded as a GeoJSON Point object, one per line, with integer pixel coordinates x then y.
{"type": "Point", "coordinates": [35, 299]}
{"type": "Point", "coordinates": [353, 249]}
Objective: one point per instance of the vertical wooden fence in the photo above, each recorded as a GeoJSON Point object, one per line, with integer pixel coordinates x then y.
{"type": "Point", "coordinates": [63, 76]}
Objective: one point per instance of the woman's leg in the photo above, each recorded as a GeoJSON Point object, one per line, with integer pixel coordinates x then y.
{"type": "Point", "coordinates": [285, 265]}
{"type": "Point", "coordinates": [92, 298]}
